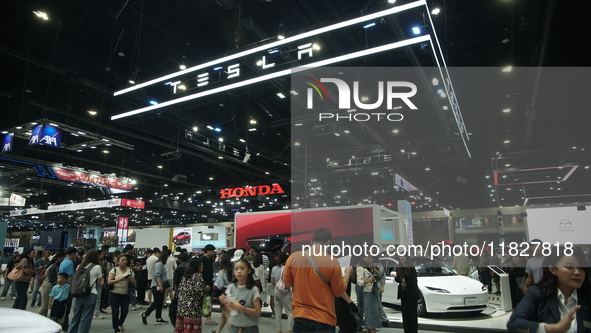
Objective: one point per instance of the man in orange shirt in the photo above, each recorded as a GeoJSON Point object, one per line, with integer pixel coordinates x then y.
{"type": "Point", "coordinates": [313, 300]}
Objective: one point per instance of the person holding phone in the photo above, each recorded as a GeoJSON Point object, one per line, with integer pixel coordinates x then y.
{"type": "Point", "coordinates": [120, 278]}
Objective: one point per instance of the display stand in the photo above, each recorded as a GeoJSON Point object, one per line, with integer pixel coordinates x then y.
{"type": "Point", "coordinates": [505, 288]}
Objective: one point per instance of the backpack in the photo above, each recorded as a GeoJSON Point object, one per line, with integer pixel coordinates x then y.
{"type": "Point", "coordinates": [42, 274]}
{"type": "Point", "coordinates": [81, 286]}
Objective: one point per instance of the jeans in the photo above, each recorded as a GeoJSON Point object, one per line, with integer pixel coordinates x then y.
{"type": "Point", "coordinates": [83, 309]}
{"type": "Point", "coordinates": [21, 295]}
{"type": "Point", "coordinates": [301, 325]}
{"type": "Point", "coordinates": [283, 302]}
{"type": "Point", "coordinates": [97, 307]}
{"type": "Point", "coordinates": [359, 294]}
{"type": "Point", "coordinates": [157, 304]}
{"type": "Point", "coordinates": [36, 293]}
{"type": "Point", "coordinates": [118, 301]}
{"type": "Point", "coordinates": [7, 284]}
{"type": "Point", "coordinates": [251, 329]}
{"type": "Point", "coordinates": [45, 290]}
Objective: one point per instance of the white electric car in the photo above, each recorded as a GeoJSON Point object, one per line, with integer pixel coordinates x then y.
{"type": "Point", "coordinates": [442, 290]}
{"type": "Point", "coordinates": [15, 320]}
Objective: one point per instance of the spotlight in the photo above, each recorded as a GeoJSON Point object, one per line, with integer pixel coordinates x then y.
{"type": "Point", "coordinates": [281, 32]}
{"type": "Point", "coordinates": [416, 30]}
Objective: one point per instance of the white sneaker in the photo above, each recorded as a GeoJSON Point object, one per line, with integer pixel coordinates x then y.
{"type": "Point", "coordinates": [273, 315]}
{"type": "Point", "coordinates": [98, 317]}
{"type": "Point", "coordinates": [3, 298]}
{"type": "Point", "coordinates": [136, 307]}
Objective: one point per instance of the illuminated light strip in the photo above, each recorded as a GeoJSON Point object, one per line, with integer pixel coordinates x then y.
{"type": "Point", "coordinates": [267, 47]}
{"type": "Point", "coordinates": [466, 137]}
{"type": "Point", "coordinates": [330, 61]}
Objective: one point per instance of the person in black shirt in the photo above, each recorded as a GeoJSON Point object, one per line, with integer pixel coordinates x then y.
{"type": "Point", "coordinates": [79, 258]}
{"type": "Point", "coordinates": [345, 319]}
{"type": "Point", "coordinates": [207, 259]}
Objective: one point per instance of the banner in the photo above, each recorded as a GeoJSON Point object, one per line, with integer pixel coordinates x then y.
{"type": "Point", "coordinates": [183, 237]}
{"type": "Point", "coordinates": [122, 227]}
{"type": "Point", "coordinates": [14, 200]}
{"type": "Point", "coordinates": [92, 179]}
{"type": "Point", "coordinates": [45, 135]}
{"type": "Point", "coordinates": [8, 143]}
{"type": "Point", "coordinates": [133, 203]}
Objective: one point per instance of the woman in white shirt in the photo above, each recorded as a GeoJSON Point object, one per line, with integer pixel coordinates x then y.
{"type": "Point", "coordinates": [84, 306]}
{"type": "Point", "coordinates": [260, 278]}
{"type": "Point", "coordinates": [120, 277]}
{"type": "Point", "coordinates": [283, 297]}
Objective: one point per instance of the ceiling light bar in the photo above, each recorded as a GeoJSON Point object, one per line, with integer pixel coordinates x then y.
{"type": "Point", "coordinates": [265, 47]}
{"type": "Point", "coordinates": [354, 55]}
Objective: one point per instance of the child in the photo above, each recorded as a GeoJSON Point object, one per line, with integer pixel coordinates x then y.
{"type": "Point", "coordinates": [58, 298]}
{"type": "Point", "coordinates": [243, 300]}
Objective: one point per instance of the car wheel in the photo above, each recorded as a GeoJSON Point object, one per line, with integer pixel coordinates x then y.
{"type": "Point", "coordinates": [421, 306]}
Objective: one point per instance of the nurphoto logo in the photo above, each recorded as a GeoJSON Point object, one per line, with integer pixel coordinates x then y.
{"type": "Point", "coordinates": [390, 91]}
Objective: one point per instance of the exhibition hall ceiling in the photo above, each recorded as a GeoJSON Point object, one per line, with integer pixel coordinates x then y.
{"type": "Point", "coordinates": [526, 135]}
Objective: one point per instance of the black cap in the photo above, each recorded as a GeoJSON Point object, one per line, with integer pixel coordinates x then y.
{"type": "Point", "coordinates": [183, 256]}
{"type": "Point", "coordinates": [128, 247]}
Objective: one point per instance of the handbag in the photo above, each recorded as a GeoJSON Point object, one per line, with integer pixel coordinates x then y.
{"type": "Point", "coordinates": [165, 285]}
{"type": "Point", "coordinates": [280, 285]}
{"type": "Point", "coordinates": [16, 275]}
{"type": "Point", "coordinates": [41, 276]}
{"type": "Point", "coordinates": [206, 306]}
{"type": "Point", "coordinates": [110, 287]}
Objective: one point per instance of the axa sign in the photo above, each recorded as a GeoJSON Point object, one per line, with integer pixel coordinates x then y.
{"type": "Point", "coordinates": [250, 191]}
{"type": "Point", "coordinates": [45, 135]}
{"type": "Point", "coordinates": [392, 91]}
{"type": "Point", "coordinates": [7, 144]}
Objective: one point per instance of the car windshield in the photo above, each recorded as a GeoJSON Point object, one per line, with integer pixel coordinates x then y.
{"type": "Point", "coordinates": [432, 268]}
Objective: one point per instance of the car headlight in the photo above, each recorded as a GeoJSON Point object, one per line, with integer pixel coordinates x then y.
{"type": "Point", "coordinates": [484, 288]}
{"type": "Point", "coordinates": [439, 290]}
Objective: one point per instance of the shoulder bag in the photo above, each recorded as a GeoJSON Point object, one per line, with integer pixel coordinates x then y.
{"type": "Point", "coordinates": [280, 285]}
{"type": "Point", "coordinates": [16, 274]}
{"type": "Point", "coordinates": [316, 269]}
{"type": "Point", "coordinates": [110, 287]}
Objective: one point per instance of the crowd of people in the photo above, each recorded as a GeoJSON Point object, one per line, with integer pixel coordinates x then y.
{"type": "Point", "coordinates": [312, 290]}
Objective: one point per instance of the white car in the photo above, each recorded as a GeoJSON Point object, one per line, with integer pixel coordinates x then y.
{"type": "Point", "coordinates": [15, 320]}
{"type": "Point", "coordinates": [442, 290]}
